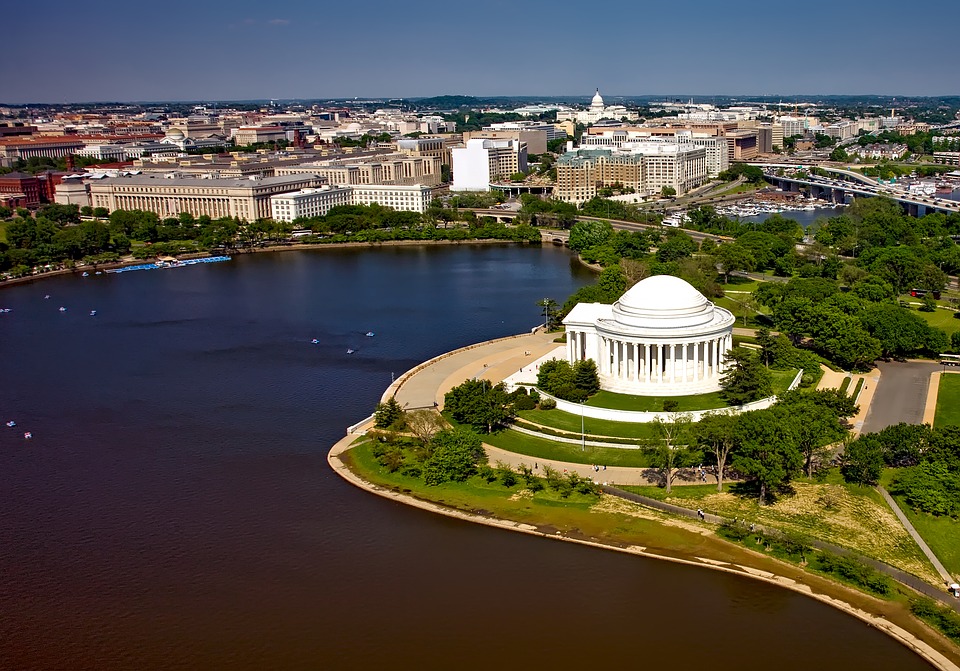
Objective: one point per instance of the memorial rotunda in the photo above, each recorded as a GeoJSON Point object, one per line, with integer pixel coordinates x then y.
{"type": "Point", "coordinates": [662, 338]}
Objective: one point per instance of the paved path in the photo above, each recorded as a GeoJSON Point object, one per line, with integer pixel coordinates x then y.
{"type": "Point", "coordinates": [488, 361]}
{"type": "Point", "coordinates": [944, 573]}
{"type": "Point", "coordinates": [901, 395]}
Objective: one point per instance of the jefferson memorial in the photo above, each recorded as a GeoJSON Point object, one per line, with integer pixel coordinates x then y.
{"type": "Point", "coordinates": [662, 338]}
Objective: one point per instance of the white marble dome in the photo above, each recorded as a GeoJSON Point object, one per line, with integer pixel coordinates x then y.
{"type": "Point", "coordinates": [663, 337]}
{"type": "Point", "coordinates": [664, 302]}
{"type": "Point", "coordinates": [597, 100]}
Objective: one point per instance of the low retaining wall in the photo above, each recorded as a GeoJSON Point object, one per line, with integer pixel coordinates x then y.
{"type": "Point", "coordinates": [638, 417]}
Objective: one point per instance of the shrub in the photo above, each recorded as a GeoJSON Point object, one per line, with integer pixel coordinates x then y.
{"type": "Point", "coordinates": [548, 404]}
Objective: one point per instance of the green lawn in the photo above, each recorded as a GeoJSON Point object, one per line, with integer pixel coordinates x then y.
{"type": "Point", "coordinates": [3, 231]}
{"type": "Point", "coordinates": [713, 401]}
{"type": "Point", "coordinates": [948, 401]}
{"type": "Point", "coordinates": [942, 534]}
{"type": "Point", "coordinates": [941, 319]}
{"type": "Point", "coordinates": [544, 448]}
{"type": "Point", "coordinates": [594, 428]}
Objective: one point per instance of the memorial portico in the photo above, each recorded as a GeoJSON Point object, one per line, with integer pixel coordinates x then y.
{"type": "Point", "coordinates": [662, 338]}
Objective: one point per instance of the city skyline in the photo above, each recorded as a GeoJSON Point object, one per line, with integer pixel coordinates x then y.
{"type": "Point", "coordinates": [110, 51]}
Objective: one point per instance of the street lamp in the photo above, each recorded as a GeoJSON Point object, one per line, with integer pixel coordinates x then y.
{"type": "Point", "coordinates": [583, 436]}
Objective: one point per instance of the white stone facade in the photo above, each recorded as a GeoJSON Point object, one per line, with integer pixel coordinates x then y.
{"type": "Point", "coordinates": [662, 338]}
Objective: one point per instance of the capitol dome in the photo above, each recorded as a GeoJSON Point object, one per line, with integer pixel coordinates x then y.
{"type": "Point", "coordinates": [175, 134]}
{"type": "Point", "coordinates": [663, 337]}
{"type": "Point", "coordinates": [597, 100]}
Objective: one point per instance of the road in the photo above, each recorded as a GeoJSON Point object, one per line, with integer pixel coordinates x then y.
{"type": "Point", "coordinates": [901, 394]}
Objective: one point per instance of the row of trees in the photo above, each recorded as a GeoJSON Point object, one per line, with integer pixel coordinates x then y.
{"type": "Point", "coordinates": [56, 234]}
{"type": "Point", "coordinates": [927, 462]}
{"type": "Point", "coordinates": [767, 448]}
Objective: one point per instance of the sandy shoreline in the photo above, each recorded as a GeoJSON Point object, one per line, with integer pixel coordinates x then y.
{"type": "Point", "coordinates": [908, 639]}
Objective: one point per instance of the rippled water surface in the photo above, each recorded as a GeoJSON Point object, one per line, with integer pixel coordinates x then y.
{"type": "Point", "coordinates": [175, 509]}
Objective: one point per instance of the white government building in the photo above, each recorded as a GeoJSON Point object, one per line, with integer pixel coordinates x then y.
{"type": "Point", "coordinates": [662, 338]}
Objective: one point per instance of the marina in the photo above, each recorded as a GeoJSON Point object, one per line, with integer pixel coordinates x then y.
{"type": "Point", "coordinates": [169, 262]}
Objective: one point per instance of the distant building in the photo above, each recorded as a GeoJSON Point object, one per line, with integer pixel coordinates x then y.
{"type": "Point", "coordinates": [384, 169]}
{"type": "Point", "coordinates": [877, 152]}
{"type": "Point", "coordinates": [247, 135]}
{"type": "Point", "coordinates": [404, 198]}
{"type": "Point", "coordinates": [596, 111]}
{"type": "Point", "coordinates": [433, 147]}
{"type": "Point", "coordinates": [481, 162]}
{"type": "Point", "coordinates": [248, 199]}
{"type": "Point", "coordinates": [646, 167]}
{"type": "Point", "coordinates": [13, 148]}
{"type": "Point", "coordinates": [20, 183]}
{"type": "Point", "coordinates": [308, 202]}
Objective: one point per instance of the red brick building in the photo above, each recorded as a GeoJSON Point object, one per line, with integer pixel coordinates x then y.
{"type": "Point", "coordinates": [28, 185]}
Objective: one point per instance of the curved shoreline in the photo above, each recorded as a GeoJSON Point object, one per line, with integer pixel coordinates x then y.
{"type": "Point", "coordinates": [917, 645]}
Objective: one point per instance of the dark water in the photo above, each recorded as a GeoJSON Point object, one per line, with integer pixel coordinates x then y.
{"type": "Point", "coordinates": [175, 509]}
{"type": "Point", "coordinates": [802, 217]}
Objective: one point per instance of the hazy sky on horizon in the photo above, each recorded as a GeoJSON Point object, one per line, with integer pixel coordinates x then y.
{"type": "Point", "coordinates": [109, 50]}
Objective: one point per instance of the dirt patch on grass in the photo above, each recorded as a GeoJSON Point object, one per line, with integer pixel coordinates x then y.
{"type": "Point", "coordinates": [831, 513]}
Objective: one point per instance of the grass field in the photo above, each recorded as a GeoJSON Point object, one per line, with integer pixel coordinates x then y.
{"type": "Point", "coordinates": [713, 401]}
{"type": "Point", "coordinates": [544, 448]}
{"type": "Point", "coordinates": [594, 428]}
{"type": "Point", "coordinates": [948, 401]}
{"type": "Point", "coordinates": [942, 534]}
{"type": "Point", "coordinates": [3, 231]}
{"type": "Point", "coordinates": [941, 319]}
{"type": "Point", "coordinates": [846, 515]}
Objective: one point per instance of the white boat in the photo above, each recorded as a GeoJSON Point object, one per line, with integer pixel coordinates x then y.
{"type": "Point", "coordinates": [315, 341]}
{"type": "Point", "coordinates": [370, 334]}
{"type": "Point", "coordinates": [351, 351]}
{"type": "Point", "coordinates": [93, 313]}
{"type": "Point", "coordinates": [63, 309]}
{"type": "Point", "coordinates": [28, 435]}
{"type": "Point", "coordinates": [85, 274]}
{"type": "Point", "coordinates": [11, 423]}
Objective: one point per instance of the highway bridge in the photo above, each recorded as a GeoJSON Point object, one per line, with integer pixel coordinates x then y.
{"type": "Point", "coordinates": [849, 183]}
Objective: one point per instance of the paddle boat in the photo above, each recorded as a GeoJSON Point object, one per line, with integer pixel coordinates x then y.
{"type": "Point", "coordinates": [85, 274]}
{"type": "Point", "coordinates": [370, 334]}
{"type": "Point", "coordinates": [351, 351]}
{"type": "Point", "coordinates": [11, 423]}
{"type": "Point", "coordinates": [315, 341]}
{"type": "Point", "coordinates": [63, 309]}
{"type": "Point", "coordinates": [93, 313]}
{"type": "Point", "coordinates": [28, 435]}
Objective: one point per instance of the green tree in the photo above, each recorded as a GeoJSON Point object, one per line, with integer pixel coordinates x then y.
{"type": "Point", "coordinates": [455, 455]}
{"type": "Point", "coordinates": [766, 451]}
{"type": "Point", "coordinates": [668, 191]}
{"type": "Point", "coordinates": [424, 423]}
{"type": "Point", "coordinates": [669, 450]}
{"type": "Point", "coordinates": [745, 379]}
{"type": "Point", "coordinates": [862, 461]}
{"type": "Point", "coordinates": [585, 234]}
{"type": "Point", "coordinates": [838, 154]}
{"type": "Point", "coordinates": [387, 414]}
{"type": "Point", "coordinates": [732, 258]}
{"type": "Point", "coordinates": [585, 376]}
{"type": "Point", "coordinates": [549, 310]}
{"type": "Point", "coordinates": [482, 405]}
{"type": "Point", "coordinates": [716, 432]}
{"type": "Point", "coordinates": [767, 343]}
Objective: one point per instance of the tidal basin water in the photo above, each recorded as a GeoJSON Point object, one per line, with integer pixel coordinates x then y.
{"type": "Point", "coordinates": [174, 509]}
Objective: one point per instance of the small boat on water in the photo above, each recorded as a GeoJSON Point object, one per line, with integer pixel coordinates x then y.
{"type": "Point", "coordinates": [85, 274]}
{"type": "Point", "coordinates": [11, 423]}
{"type": "Point", "coordinates": [315, 341]}
{"type": "Point", "coordinates": [63, 309]}
{"type": "Point", "coordinates": [351, 351]}
{"type": "Point", "coordinates": [93, 313]}
{"type": "Point", "coordinates": [28, 435]}
{"type": "Point", "coordinates": [46, 297]}
{"type": "Point", "coordinates": [5, 310]}
{"type": "Point", "coordinates": [99, 272]}
{"type": "Point", "coordinates": [370, 334]}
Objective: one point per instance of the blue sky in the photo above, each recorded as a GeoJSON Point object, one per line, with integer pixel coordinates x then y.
{"type": "Point", "coordinates": [106, 50]}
